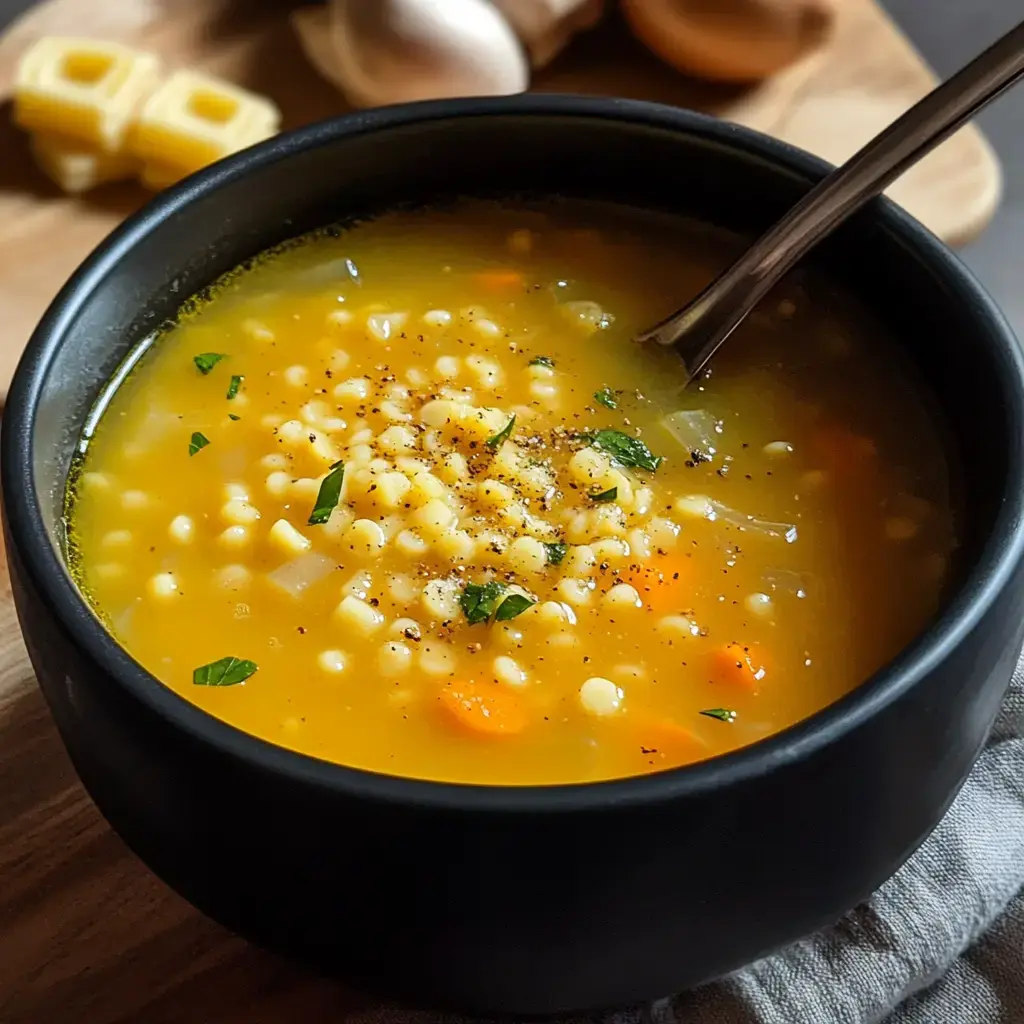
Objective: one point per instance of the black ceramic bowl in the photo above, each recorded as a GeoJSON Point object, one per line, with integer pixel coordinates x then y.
{"type": "Point", "coordinates": [525, 900]}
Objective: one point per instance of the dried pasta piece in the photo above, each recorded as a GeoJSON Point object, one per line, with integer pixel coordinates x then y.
{"type": "Point", "coordinates": [194, 119]}
{"type": "Point", "coordinates": [77, 168]}
{"type": "Point", "coordinates": [85, 90]}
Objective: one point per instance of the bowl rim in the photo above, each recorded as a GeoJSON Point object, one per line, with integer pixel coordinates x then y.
{"type": "Point", "coordinates": [1002, 552]}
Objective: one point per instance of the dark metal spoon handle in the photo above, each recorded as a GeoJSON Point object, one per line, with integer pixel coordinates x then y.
{"type": "Point", "coordinates": [699, 328]}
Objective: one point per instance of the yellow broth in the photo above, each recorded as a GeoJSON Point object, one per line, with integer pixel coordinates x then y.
{"type": "Point", "coordinates": [510, 604]}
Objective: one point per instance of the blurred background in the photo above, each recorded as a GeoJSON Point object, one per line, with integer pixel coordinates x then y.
{"type": "Point", "coordinates": [947, 33]}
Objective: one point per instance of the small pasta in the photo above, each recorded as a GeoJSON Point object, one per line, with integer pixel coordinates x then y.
{"type": "Point", "coordinates": [441, 599]}
{"type": "Point", "coordinates": [285, 537]}
{"type": "Point", "coordinates": [358, 617]}
{"type": "Point", "coordinates": [394, 658]}
{"type": "Point", "coordinates": [415, 484]}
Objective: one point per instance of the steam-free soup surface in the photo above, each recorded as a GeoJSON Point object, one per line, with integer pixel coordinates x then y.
{"type": "Point", "coordinates": [408, 498]}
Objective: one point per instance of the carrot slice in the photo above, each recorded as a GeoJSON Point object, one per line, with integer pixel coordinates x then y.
{"type": "Point", "coordinates": [488, 710]}
{"type": "Point", "coordinates": [666, 744]}
{"type": "Point", "coordinates": [500, 280]}
{"type": "Point", "coordinates": [663, 583]}
{"type": "Point", "coordinates": [843, 451]}
{"type": "Point", "coordinates": [739, 665]}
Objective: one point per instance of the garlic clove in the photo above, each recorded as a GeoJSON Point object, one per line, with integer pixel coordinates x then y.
{"type": "Point", "coordinates": [311, 26]}
{"type": "Point", "coordinates": [396, 51]}
{"type": "Point", "coordinates": [546, 26]}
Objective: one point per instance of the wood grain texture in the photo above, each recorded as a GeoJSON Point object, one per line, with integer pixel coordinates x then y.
{"type": "Point", "coordinates": [86, 933]}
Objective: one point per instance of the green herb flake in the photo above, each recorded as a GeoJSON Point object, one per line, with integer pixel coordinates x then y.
{"type": "Point", "coordinates": [226, 672]}
{"type": "Point", "coordinates": [236, 383]}
{"type": "Point", "coordinates": [556, 552]}
{"type": "Point", "coordinates": [604, 496]}
{"type": "Point", "coordinates": [502, 435]}
{"type": "Point", "coordinates": [328, 496]}
{"type": "Point", "coordinates": [480, 600]}
{"type": "Point", "coordinates": [232, 416]}
{"type": "Point", "coordinates": [625, 450]}
{"type": "Point", "coordinates": [722, 714]}
{"type": "Point", "coordinates": [543, 361]}
{"type": "Point", "coordinates": [513, 605]}
{"type": "Point", "coordinates": [606, 397]}
{"type": "Point", "coordinates": [197, 443]}
{"type": "Point", "coordinates": [206, 361]}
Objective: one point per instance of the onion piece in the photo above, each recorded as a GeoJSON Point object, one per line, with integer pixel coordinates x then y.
{"type": "Point", "coordinates": [300, 573]}
{"type": "Point", "coordinates": [386, 325]}
{"type": "Point", "coordinates": [700, 505]}
{"type": "Point", "coordinates": [588, 314]}
{"type": "Point", "coordinates": [122, 622]}
{"type": "Point", "coordinates": [695, 429]}
{"type": "Point", "coordinates": [787, 580]}
{"type": "Point", "coordinates": [787, 531]}
{"type": "Point", "coordinates": [340, 270]}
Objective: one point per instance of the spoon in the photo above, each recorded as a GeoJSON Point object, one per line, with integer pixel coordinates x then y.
{"type": "Point", "coordinates": [698, 329]}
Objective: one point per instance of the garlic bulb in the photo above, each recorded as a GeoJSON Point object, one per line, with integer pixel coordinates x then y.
{"type": "Point", "coordinates": [393, 51]}
{"type": "Point", "coordinates": [545, 26]}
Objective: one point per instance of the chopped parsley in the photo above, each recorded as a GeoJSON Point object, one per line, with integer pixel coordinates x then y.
{"type": "Point", "coordinates": [482, 601]}
{"type": "Point", "coordinates": [543, 361]}
{"type": "Point", "coordinates": [556, 552]}
{"type": "Point", "coordinates": [606, 397]}
{"type": "Point", "coordinates": [206, 361]}
{"type": "Point", "coordinates": [225, 672]}
{"type": "Point", "coordinates": [513, 605]}
{"type": "Point", "coordinates": [232, 416]}
{"type": "Point", "coordinates": [197, 443]}
{"type": "Point", "coordinates": [502, 435]}
{"type": "Point", "coordinates": [328, 496]}
{"type": "Point", "coordinates": [479, 601]}
{"type": "Point", "coordinates": [625, 450]}
{"type": "Point", "coordinates": [722, 714]}
{"type": "Point", "coordinates": [603, 496]}
{"type": "Point", "coordinates": [236, 383]}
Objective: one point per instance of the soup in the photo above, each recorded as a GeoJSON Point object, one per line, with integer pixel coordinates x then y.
{"type": "Point", "coordinates": [407, 497]}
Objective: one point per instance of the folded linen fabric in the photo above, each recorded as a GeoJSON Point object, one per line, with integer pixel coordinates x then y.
{"type": "Point", "coordinates": [941, 942]}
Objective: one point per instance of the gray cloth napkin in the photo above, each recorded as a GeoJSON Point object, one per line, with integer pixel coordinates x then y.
{"type": "Point", "coordinates": [942, 942]}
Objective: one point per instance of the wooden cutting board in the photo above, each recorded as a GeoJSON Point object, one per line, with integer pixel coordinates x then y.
{"type": "Point", "coordinates": [86, 933]}
{"type": "Point", "coordinates": [830, 104]}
